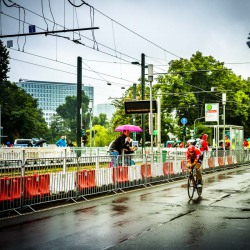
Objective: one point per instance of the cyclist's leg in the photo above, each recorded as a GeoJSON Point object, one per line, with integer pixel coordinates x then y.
{"type": "Point", "coordinates": [198, 171]}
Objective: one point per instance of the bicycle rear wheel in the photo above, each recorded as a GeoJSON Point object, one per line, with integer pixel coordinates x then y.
{"type": "Point", "coordinates": [191, 186]}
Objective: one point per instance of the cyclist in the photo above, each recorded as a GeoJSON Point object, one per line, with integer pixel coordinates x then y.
{"type": "Point", "coordinates": [194, 158]}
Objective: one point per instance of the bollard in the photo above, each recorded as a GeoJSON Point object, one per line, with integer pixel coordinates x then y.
{"type": "Point", "coordinates": [164, 155]}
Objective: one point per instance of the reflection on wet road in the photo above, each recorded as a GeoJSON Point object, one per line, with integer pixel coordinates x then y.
{"type": "Point", "coordinates": [154, 217]}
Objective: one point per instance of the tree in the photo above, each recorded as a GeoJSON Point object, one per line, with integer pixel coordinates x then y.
{"type": "Point", "coordinates": [4, 62]}
{"type": "Point", "coordinates": [100, 120]}
{"type": "Point", "coordinates": [21, 117]}
{"type": "Point", "coordinates": [102, 136]}
{"type": "Point", "coordinates": [65, 123]}
{"type": "Point", "coordinates": [187, 88]}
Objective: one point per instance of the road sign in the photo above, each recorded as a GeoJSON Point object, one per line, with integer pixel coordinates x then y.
{"type": "Point", "coordinates": [139, 107]}
{"type": "Point", "coordinates": [184, 120]}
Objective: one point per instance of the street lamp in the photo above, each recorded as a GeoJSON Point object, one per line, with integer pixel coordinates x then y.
{"type": "Point", "coordinates": [197, 120]}
{"type": "Point", "coordinates": [150, 79]}
{"type": "Point", "coordinates": [134, 115]}
{"type": "Point", "coordinates": [142, 64]}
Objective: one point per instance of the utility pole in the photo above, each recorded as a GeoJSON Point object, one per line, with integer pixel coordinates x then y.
{"type": "Point", "coordinates": [0, 126]}
{"type": "Point", "coordinates": [143, 98]}
{"type": "Point", "coordinates": [134, 115]}
{"type": "Point", "coordinates": [151, 129]}
{"type": "Point", "coordinates": [79, 101]}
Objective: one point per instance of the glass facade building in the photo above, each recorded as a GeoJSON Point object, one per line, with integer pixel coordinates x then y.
{"type": "Point", "coordinates": [52, 94]}
{"type": "Point", "coordinates": [104, 108]}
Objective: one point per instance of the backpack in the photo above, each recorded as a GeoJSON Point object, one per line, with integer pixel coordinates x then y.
{"type": "Point", "coordinates": [198, 143]}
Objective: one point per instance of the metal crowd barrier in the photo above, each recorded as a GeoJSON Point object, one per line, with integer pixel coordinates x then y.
{"type": "Point", "coordinates": [38, 180]}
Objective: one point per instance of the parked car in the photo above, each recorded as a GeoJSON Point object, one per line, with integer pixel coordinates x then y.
{"type": "Point", "coordinates": [23, 143]}
{"type": "Point", "coordinates": [34, 142]}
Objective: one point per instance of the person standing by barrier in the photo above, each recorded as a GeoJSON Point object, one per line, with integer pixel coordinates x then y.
{"type": "Point", "coordinates": [118, 145]}
{"type": "Point", "coordinates": [70, 143]}
{"type": "Point", "coordinates": [245, 143]}
{"type": "Point", "coordinates": [227, 142]}
{"type": "Point", "coordinates": [61, 142]}
{"type": "Point", "coordinates": [203, 145]}
{"type": "Point", "coordinates": [128, 159]}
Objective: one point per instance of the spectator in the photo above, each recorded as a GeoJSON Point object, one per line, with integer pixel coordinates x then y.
{"type": "Point", "coordinates": [227, 143]}
{"type": "Point", "coordinates": [70, 143]}
{"type": "Point", "coordinates": [221, 146]}
{"type": "Point", "coordinates": [8, 144]}
{"type": "Point", "coordinates": [245, 143]}
{"type": "Point", "coordinates": [118, 145]}
{"type": "Point", "coordinates": [128, 159]}
{"type": "Point", "coordinates": [61, 142]}
{"type": "Point", "coordinates": [175, 144]}
{"type": "Point", "coordinates": [204, 143]}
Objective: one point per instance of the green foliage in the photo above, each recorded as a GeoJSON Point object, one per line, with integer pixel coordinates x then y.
{"type": "Point", "coordinates": [188, 87]}
{"type": "Point", "coordinates": [101, 136]}
{"type": "Point", "coordinates": [100, 120]}
{"type": "Point", "coordinates": [65, 122]}
{"type": "Point", "coordinates": [57, 128]}
{"type": "Point", "coordinates": [4, 62]}
{"type": "Point", "coordinates": [21, 117]}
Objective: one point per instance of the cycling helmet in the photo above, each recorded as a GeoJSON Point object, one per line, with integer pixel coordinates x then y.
{"type": "Point", "coordinates": [205, 136]}
{"type": "Point", "coordinates": [191, 149]}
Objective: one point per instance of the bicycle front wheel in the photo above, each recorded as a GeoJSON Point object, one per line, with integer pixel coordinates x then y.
{"type": "Point", "coordinates": [199, 189]}
{"type": "Point", "coordinates": [191, 186]}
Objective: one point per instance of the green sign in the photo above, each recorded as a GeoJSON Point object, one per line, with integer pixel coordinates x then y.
{"type": "Point", "coordinates": [155, 132]}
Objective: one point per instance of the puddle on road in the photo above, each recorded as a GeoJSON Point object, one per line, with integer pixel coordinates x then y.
{"type": "Point", "coordinates": [145, 197]}
{"type": "Point", "coordinates": [223, 176]}
{"type": "Point", "coordinates": [89, 210]}
{"type": "Point", "coordinates": [119, 209]}
{"type": "Point", "coordinates": [120, 200]}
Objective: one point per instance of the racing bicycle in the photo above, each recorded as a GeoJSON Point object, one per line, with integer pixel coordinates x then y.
{"type": "Point", "coordinates": [193, 183]}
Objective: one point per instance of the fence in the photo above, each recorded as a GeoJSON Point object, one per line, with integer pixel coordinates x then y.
{"type": "Point", "coordinates": [36, 180]}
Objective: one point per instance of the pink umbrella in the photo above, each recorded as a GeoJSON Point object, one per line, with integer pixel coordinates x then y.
{"type": "Point", "coordinates": [131, 128]}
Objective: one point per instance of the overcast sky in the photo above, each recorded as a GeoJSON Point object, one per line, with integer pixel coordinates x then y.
{"type": "Point", "coordinates": [161, 29]}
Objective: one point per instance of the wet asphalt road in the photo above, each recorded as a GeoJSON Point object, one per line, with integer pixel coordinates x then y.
{"type": "Point", "coordinates": [160, 217]}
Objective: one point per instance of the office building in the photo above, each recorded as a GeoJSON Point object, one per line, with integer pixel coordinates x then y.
{"type": "Point", "coordinates": [52, 94]}
{"type": "Point", "coordinates": [105, 108]}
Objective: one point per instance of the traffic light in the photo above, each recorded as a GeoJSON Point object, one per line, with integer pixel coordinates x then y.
{"type": "Point", "coordinates": [248, 42]}
{"type": "Point", "coordinates": [83, 132]}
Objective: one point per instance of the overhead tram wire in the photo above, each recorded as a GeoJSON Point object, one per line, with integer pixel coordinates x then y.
{"type": "Point", "coordinates": [105, 46]}
{"type": "Point", "coordinates": [135, 33]}
{"type": "Point", "coordinates": [91, 48]}
{"type": "Point", "coordinates": [118, 24]}
{"type": "Point", "coordinates": [53, 60]}
{"type": "Point", "coordinates": [72, 73]}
